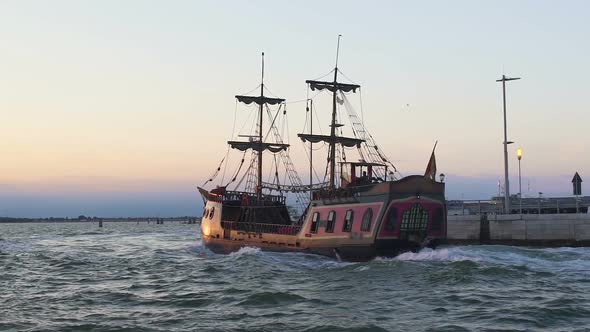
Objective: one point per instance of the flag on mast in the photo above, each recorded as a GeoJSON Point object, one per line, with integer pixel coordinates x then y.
{"type": "Point", "coordinates": [431, 168]}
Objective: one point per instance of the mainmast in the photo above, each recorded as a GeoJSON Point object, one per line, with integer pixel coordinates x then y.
{"type": "Point", "coordinates": [333, 138]}
{"type": "Point", "coordinates": [333, 125]}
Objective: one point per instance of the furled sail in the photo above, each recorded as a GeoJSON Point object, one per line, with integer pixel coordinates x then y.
{"type": "Point", "coordinates": [346, 141]}
{"type": "Point", "coordinates": [257, 146]}
{"type": "Point", "coordinates": [332, 86]}
{"type": "Point", "coordinates": [259, 100]}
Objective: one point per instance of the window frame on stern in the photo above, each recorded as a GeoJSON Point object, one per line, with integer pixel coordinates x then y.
{"type": "Point", "coordinates": [415, 219]}
{"type": "Point", "coordinates": [348, 221]}
{"type": "Point", "coordinates": [212, 212]}
{"type": "Point", "coordinates": [330, 222]}
{"type": "Point", "coordinates": [367, 221]}
{"type": "Point", "coordinates": [392, 219]}
{"type": "Point", "coordinates": [315, 218]}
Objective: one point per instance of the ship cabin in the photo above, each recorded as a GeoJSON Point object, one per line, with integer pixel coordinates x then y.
{"type": "Point", "coordinates": [354, 174]}
{"type": "Point", "coordinates": [355, 177]}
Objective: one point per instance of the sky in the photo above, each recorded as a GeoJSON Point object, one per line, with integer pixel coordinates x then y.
{"type": "Point", "coordinates": [122, 108]}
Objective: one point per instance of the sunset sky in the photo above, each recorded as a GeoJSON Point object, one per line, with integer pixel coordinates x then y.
{"type": "Point", "coordinates": [122, 108]}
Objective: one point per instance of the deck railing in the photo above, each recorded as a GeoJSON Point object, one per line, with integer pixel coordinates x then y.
{"type": "Point", "coordinates": [251, 227]}
{"type": "Point", "coordinates": [251, 198]}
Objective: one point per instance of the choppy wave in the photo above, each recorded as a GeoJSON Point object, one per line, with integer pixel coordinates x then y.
{"type": "Point", "coordinates": [128, 277]}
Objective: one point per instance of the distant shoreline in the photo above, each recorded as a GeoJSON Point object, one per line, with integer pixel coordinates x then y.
{"type": "Point", "coordinates": [9, 220]}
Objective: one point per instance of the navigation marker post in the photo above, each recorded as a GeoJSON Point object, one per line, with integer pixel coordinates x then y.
{"type": "Point", "coordinates": [577, 183]}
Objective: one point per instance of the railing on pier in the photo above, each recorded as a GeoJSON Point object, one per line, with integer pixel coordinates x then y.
{"type": "Point", "coordinates": [541, 205]}
{"type": "Point", "coordinates": [251, 227]}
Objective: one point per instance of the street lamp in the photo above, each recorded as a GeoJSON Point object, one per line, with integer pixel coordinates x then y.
{"type": "Point", "coordinates": [519, 156]}
{"type": "Point", "coordinates": [504, 79]}
{"type": "Point", "coordinates": [442, 177]}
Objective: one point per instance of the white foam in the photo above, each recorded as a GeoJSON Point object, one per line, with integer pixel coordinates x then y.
{"type": "Point", "coordinates": [428, 254]}
{"type": "Point", "coordinates": [245, 251]}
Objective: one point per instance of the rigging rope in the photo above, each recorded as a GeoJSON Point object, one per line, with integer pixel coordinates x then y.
{"type": "Point", "coordinates": [249, 92]}
{"type": "Point", "coordinates": [285, 124]}
{"type": "Point", "coordinates": [215, 174]}
{"type": "Point", "coordinates": [238, 171]}
{"type": "Point", "coordinates": [370, 148]}
{"type": "Point", "coordinates": [253, 160]}
{"type": "Point", "coordinates": [233, 131]}
{"type": "Point", "coordinates": [319, 78]}
{"type": "Point", "coordinates": [269, 112]}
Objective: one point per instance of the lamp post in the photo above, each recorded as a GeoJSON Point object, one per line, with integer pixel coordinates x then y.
{"type": "Point", "coordinates": [519, 156]}
{"type": "Point", "coordinates": [504, 79]}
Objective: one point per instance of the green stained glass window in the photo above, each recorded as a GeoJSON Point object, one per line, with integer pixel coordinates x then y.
{"type": "Point", "coordinates": [415, 219]}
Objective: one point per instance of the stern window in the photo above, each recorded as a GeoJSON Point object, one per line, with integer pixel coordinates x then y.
{"type": "Point", "coordinates": [211, 212]}
{"type": "Point", "coordinates": [348, 219]}
{"type": "Point", "coordinates": [331, 222]}
{"type": "Point", "coordinates": [367, 220]}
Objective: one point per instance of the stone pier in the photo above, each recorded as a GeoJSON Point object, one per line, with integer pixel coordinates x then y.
{"type": "Point", "coordinates": [527, 229]}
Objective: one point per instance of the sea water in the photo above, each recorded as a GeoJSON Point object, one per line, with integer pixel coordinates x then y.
{"type": "Point", "coordinates": [147, 277]}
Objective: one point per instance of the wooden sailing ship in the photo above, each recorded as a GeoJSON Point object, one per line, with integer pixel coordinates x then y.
{"type": "Point", "coordinates": [360, 212]}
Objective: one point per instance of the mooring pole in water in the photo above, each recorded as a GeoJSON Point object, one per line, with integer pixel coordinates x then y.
{"type": "Point", "coordinates": [100, 223]}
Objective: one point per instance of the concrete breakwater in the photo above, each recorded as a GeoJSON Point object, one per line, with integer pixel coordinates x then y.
{"type": "Point", "coordinates": [513, 229]}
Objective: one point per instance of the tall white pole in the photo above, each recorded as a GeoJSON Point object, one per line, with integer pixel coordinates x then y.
{"type": "Point", "coordinates": [506, 183]}
{"type": "Point", "coordinates": [519, 186]}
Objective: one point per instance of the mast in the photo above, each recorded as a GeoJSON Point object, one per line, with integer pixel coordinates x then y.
{"type": "Point", "coordinates": [333, 126]}
{"type": "Point", "coordinates": [259, 184]}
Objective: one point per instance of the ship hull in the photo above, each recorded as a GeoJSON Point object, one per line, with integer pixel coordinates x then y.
{"type": "Point", "coordinates": [381, 220]}
{"type": "Point", "coordinates": [353, 253]}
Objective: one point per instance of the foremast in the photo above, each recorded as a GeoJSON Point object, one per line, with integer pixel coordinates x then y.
{"type": "Point", "coordinates": [259, 146]}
